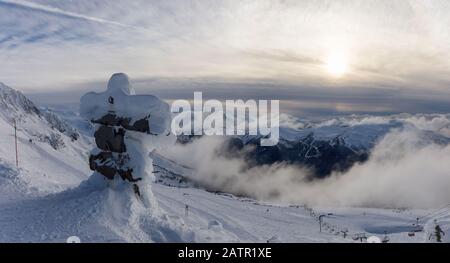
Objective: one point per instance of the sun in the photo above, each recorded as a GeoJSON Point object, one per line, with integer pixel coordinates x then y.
{"type": "Point", "coordinates": [337, 65]}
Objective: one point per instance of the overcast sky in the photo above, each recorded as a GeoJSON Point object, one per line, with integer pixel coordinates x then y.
{"type": "Point", "coordinates": [345, 56]}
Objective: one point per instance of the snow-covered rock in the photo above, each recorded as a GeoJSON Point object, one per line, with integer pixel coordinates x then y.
{"type": "Point", "coordinates": [128, 108]}
{"type": "Point", "coordinates": [129, 127]}
{"type": "Point", "coordinates": [124, 122]}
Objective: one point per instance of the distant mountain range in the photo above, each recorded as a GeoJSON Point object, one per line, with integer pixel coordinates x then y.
{"type": "Point", "coordinates": [326, 146]}
{"type": "Point", "coordinates": [332, 145]}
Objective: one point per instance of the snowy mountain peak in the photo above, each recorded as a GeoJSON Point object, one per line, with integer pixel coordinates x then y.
{"type": "Point", "coordinates": [337, 144]}
{"type": "Point", "coordinates": [15, 102]}
{"type": "Point", "coordinates": [38, 125]}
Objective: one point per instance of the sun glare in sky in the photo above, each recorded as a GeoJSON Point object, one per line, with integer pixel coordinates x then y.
{"type": "Point", "coordinates": [337, 64]}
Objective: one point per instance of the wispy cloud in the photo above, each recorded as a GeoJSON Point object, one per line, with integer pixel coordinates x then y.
{"type": "Point", "coordinates": [58, 12]}
{"type": "Point", "coordinates": [390, 45]}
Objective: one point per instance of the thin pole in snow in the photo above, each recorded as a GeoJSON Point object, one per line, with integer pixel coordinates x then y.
{"type": "Point", "coordinates": [321, 220]}
{"type": "Point", "coordinates": [15, 142]}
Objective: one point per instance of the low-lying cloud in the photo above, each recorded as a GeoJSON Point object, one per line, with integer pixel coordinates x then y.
{"type": "Point", "coordinates": [406, 169]}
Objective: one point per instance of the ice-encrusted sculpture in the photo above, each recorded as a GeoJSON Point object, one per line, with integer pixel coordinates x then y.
{"type": "Point", "coordinates": [128, 127]}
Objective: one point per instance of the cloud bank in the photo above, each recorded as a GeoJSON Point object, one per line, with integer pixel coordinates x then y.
{"type": "Point", "coordinates": [405, 169]}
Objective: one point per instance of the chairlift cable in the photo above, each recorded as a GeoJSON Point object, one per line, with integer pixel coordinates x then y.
{"type": "Point", "coordinates": [434, 212]}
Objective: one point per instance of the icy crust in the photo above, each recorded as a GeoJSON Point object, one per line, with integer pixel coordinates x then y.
{"type": "Point", "coordinates": [94, 106]}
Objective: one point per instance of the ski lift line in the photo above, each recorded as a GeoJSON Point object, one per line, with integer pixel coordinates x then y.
{"type": "Point", "coordinates": [433, 216]}
{"type": "Point", "coordinates": [441, 213]}
{"type": "Point", "coordinates": [434, 212]}
{"type": "Point", "coordinates": [341, 230]}
{"type": "Point", "coordinates": [438, 212]}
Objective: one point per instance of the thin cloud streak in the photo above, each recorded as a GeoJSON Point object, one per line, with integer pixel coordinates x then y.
{"type": "Point", "coordinates": [59, 12]}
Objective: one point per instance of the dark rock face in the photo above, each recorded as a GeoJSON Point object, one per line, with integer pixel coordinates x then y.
{"type": "Point", "coordinates": [112, 119]}
{"type": "Point", "coordinates": [321, 157]}
{"type": "Point", "coordinates": [110, 139]}
{"type": "Point", "coordinates": [109, 164]}
{"type": "Point", "coordinates": [100, 159]}
{"type": "Point", "coordinates": [127, 175]}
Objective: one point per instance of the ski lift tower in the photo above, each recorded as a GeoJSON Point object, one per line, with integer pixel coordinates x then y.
{"type": "Point", "coordinates": [321, 220]}
{"type": "Point", "coordinates": [15, 141]}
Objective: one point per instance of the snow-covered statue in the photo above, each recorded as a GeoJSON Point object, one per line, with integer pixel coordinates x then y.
{"type": "Point", "coordinates": [128, 128]}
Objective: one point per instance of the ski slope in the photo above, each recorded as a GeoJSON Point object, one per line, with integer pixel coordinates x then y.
{"type": "Point", "coordinates": [97, 213]}
{"type": "Point", "coordinates": [252, 221]}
